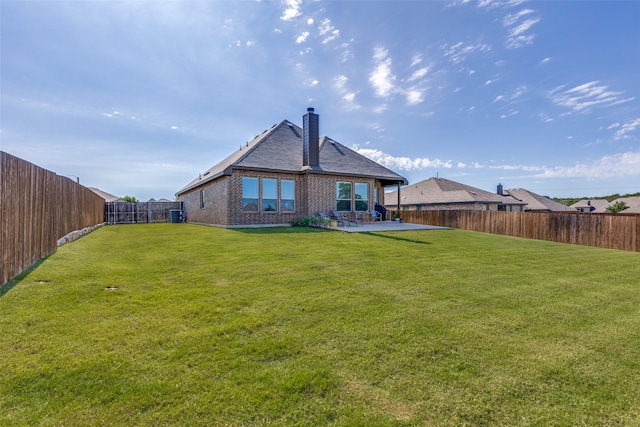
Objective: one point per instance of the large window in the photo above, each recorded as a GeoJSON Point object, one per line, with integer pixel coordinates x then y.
{"type": "Point", "coordinates": [262, 195]}
{"type": "Point", "coordinates": [250, 194]}
{"type": "Point", "coordinates": [343, 196]}
{"type": "Point", "coordinates": [269, 195]}
{"type": "Point", "coordinates": [287, 196]}
{"type": "Point", "coordinates": [362, 196]}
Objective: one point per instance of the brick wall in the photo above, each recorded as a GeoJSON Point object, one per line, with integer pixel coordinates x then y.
{"type": "Point", "coordinates": [215, 211]}
{"type": "Point", "coordinates": [223, 198]}
{"type": "Point", "coordinates": [238, 217]}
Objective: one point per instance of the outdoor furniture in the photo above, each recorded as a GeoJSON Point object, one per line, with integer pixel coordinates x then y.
{"type": "Point", "coordinates": [358, 217]}
{"type": "Point", "coordinates": [375, 215]}
{"type": "Point", "coordinates": [324, 215]}
{"type": "Point", "coordinates": [338, 217]}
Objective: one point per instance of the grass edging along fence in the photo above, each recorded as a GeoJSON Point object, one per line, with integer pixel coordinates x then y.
{"type": "Point", "coordinates": [609, 231]}
{"type": "Point", "coordinates": [38, 207]}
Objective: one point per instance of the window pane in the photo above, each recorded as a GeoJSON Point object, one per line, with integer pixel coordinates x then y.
{"type": "Point", "coordinates": [287, 189]}
{"type": "Point", "coordinates": [269, 205]}
{"type": "Point", "coordinates": [362, 196]}
{"type": "Point", "coordinates": [344, 205]}
{"type": "Point", "coordinates": [343, 190]}
{"type": "Point", "coordinates": [343, 196]}
{"type": "Point", "coordinates": [287, 196]}
{"type": "Point", "coordinates": [250, 205]}
{"type": "Point", "coordinates": [287, 206]}
{"type": "Point", "coordinates": [250, 188]}
{"type": "Point", "coordinates": [250, 194]}
{"type": "Point", "coordinates": [361, 205]}
{"type": "Point", "coordinates": [269, 188]}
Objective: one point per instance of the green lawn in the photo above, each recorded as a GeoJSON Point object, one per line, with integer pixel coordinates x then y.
{"type": "Point", "coordinates": [175, 324]}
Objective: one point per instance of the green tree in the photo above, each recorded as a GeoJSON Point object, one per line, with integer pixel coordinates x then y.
{"type": "Point", "coordinates": [129, 199]}
{"type": "Point", "coordinates": [617, 207]}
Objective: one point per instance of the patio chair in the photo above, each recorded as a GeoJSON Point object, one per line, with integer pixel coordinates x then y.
{"type": "Point", "coordinates": [338, 217]}
{"type": "Point", "coordinates": [324, 215]}
{"type": "Point", "coordinates": [358, 217]}
{"type": "Point", "coordinates": [375, 215]}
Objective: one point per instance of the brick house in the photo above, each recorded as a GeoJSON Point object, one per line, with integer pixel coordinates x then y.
{"type": "Point", "coordinates": [443, 194]}
{"type": "Point", "coordinates": [282, 175]}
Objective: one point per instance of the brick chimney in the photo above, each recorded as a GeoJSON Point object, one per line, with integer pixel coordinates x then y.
{"type": "Point", "coordinates": [311, 139]}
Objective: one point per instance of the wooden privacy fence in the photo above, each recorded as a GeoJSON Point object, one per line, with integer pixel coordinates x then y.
{"type": "Point", "coordinates": [611, 231]}
{"type": "Point", "coordinates": [140, 212]}
{"type": "Point", "coordinates": [38, 207]}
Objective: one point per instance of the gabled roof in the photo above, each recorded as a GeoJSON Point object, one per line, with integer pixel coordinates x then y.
{"type": "Point", "coordinates": [279, 149]}
{"type": "Point", "coordinates": [632, 202]}
{"type": "Point", "coordinates": [106, 196]}
{"type": "Point", "coordinates": [536, 202]}
{"type": "Point", "coordinates": [441, 191]}
{"type": "Point", "coordinates": [598, 205]}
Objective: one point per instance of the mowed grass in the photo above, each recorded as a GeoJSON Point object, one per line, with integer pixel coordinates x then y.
{"type": "Point", "coordinates": [175, 324]}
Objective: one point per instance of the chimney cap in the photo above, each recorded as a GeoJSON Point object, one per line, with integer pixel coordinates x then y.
{"type": "Point", "coordinates": [310, 110]}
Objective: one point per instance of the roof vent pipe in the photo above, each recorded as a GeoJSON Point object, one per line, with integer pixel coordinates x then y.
{"type": "Point", "coordinates": [311, 139]}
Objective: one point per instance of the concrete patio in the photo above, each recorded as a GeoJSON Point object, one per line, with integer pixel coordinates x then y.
{"type": "Point", "coordinates": [368, 227]}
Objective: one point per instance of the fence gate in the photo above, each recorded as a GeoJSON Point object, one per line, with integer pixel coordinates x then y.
{"type": "Point", "coordinates": [138, 213]}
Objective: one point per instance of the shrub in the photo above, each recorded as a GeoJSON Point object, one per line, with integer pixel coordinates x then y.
{"type": "Point", "coordinates": [312, 221]}
{"type": "Point", "coordinates": [617, 207]}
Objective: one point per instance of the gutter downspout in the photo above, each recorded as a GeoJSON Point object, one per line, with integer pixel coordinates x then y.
{"type": "Point", "coordinates": [398, 196]}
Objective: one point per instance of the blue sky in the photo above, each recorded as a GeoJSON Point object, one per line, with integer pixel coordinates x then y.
{"type": "Point", "coordinates": [139, 97]}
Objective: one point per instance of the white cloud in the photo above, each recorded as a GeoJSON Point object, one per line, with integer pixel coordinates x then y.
{"type": "Point", "coordinates": [545, 118]}
{"type": "Point", "coordinates": [625, 129]}
{"type": "Point", "coordinates": [459, 51]}
{"type": "Point", "coordinates": [622, 165]}
{"type": "Point", "coordinates": [381, 78]}
{"type": "Point", "coordinates": [340, 83]}
{"type": "Point", "coordinates": [511, 113]}
{"type": "Point", "coordinates": [401, 163]}
{"type": "Point", "coordinates": [380, 109]}
{"type": "Point", "coordinates": [310, 21]}
{"type": "Point", "coordinates": [414, 97]}
{"type": "Point", "coordinates": [302, 37]}
{"type": "Point", "coordinates": [292, 9]}
{"type": "Point", "coordinates": [518, 28]}
{"type": "Point", "coordinates": [418, 74]}
{"type": "Point", "coordinates": [349, 97]}
{"type": "Point", "coordinates": [511, 19]}
{"type": "Point", "coordinates": [328, 31]}
{"type": "Point", "coordinates": [524, 26]}
{"type": "Point", "coordinates": [493, 4]}
{"type": "Point", "coordinates": [585, 96]}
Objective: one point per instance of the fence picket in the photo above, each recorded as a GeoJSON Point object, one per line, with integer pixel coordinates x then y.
{"type": "Point", "coordinates": [611, 231]}
{"type": "Point", "coordinates": [37, 207]}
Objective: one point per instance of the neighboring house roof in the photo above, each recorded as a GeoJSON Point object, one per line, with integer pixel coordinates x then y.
{"type": "Point", "coordinates": [632, 202]}
{"type": "Point", "coordinates": [441, 191]}
{"type": "Point", "coordinates": [106, 196]}
{"type": "Point", "coordinates": [593, 205]}
{"type": "Point", "coordinates": [536, 202]}
{"type": "Point", "coordinates": [280, 149]}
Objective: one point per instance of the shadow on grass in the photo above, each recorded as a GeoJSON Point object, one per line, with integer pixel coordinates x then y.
{"type": "Point", "coordinates": [13, 282]}
{"type": "Point", "coordinates": [402, 239]}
